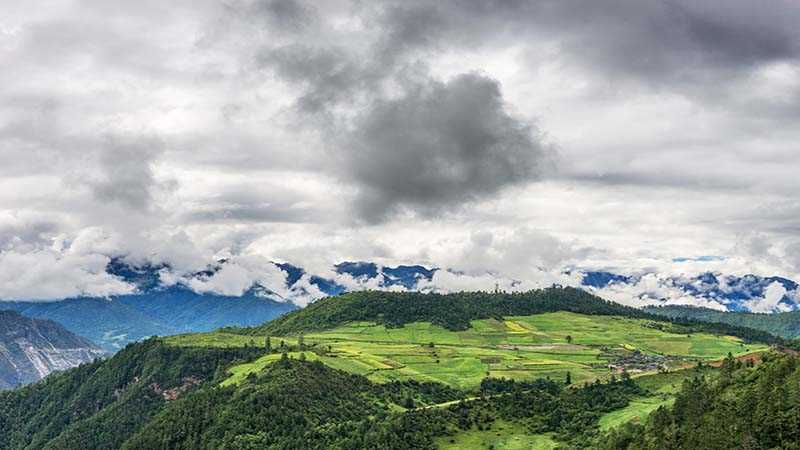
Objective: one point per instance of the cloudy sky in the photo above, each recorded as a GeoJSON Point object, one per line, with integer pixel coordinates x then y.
{"type": "Point", "coordinates": [507, 136]}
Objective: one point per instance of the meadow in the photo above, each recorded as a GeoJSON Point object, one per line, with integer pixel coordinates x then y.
{"type": "Point", "coordinates": [502, 436]}
{"type": "Point", "coordinates": [518, 347]}
{"type": "Point", "coordinates": [661, 389]}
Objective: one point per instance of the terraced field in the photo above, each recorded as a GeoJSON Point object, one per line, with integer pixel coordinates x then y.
{"type": "Point", "coordinates": [528, 347]}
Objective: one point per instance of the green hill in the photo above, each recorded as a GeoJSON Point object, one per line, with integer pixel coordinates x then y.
{"type": "Point", "coordinates": [450, 311]}
{"type": "Point", "coordinates": [785, 325]}
{"type": "Point", "coordinates": [456, 311]}
{"type": "Point", "coordinates": [379, 370]}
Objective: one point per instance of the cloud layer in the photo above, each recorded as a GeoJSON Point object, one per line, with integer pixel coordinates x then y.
{"type": "Point", "coordinates": [510, 137]}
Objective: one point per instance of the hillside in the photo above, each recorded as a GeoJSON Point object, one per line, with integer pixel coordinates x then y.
{"type": "Point", "coordinates": [745, 407]}
{"type": "Point", "coordinates": [785, 325]}
{"type": "Point", "coordinates": [99, 405]}
{"type": "Point", "coordinates": [32, 349]}
{"type": "Point", "coordinates": [428, 375]}
{"type": "Point", "coordinates": [292, 403]}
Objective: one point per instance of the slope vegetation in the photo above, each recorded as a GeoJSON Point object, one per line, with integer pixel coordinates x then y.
{"type": "Point", "coordinates": [744, 407]}
{"type": "Point", "coordinates": [98, 405]}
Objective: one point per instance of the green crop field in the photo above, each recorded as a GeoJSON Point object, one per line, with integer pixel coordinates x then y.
{"type": "Point", "coordinates": [636, 411]}
{"type": "Point", "coordinates": [661, 389]}
{"type": "Point", "coordinates": [521, 348]}
{"type": "Point", "coordinates": [502, 436]}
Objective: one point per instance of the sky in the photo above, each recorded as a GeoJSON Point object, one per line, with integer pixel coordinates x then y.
{"type": "Point", "coordinates": [524, 138]}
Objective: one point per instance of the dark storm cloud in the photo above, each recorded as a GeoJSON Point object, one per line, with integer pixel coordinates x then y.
{"type": "Point", "coordinates": [440, 145]}
{"type": "Point", "coordinates": [699, 49]}
{"type": "Point", "coordinates": [674, 42]}
{"type": "Point", "coordinates": [434, 144]}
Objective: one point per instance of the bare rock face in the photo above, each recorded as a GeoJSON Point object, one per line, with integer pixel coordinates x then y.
{"type": "Point", "coordinates": [31, 349]}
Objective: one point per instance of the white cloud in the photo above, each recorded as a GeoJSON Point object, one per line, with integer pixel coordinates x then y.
{"type": "Point", "coordinates": [51, 275]}
{"type": "Point", "coordinates": [181, 144]}
{"type": "Point", "coordinates": [771, 301]}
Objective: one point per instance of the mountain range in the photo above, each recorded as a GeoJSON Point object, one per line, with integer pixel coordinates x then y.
{"type": "Point", "coordinates": [160, 308]}
{"type": "Point", "coordinates": [746, 293]}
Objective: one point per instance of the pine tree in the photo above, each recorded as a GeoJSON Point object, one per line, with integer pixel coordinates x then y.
{"type": "Point", "coordinates": [268, 344]}
{"type": "Point", "coordinates": [568, 381]}
{"type": "Point", "coordinates": [626, 378]}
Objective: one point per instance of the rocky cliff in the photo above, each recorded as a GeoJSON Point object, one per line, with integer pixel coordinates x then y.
{"type": "Point", "coordinates": [30, 349]}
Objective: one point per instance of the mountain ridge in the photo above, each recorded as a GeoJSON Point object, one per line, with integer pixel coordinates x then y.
{"type": "Point", "coordinates": [163, 304]}
{"type": "Point", "coordinates": [784, 324]}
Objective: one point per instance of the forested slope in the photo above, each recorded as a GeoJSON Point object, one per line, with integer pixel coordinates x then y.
{"type": "Point", "coordinates": [98, 405]}
{"type": "Point", "coordinates": [297, 404]}
{"type": "Point", "coordinates": [745, 408]}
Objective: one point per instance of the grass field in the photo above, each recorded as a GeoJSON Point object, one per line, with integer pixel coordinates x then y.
{"type": "Point", "coordinates": [502, 436]}
{"type": "Point", "coordinates": [636, 411]}
{"type": "Point", "coordinates": [240, 372]}
{"type": "Point", "coordinates": [662, 388]}
{"type": "Point", "coordinates": [526, 347]}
